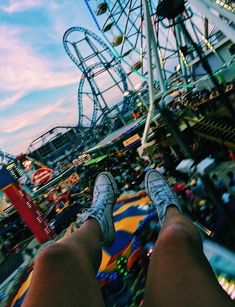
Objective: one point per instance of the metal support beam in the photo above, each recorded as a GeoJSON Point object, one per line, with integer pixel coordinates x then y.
{"type": "Point", "coordinates": [179, 37]}
{"type": "Point", "coordinates": [151, 45]}
{"type": "Point", "coordinates": [173, 128]}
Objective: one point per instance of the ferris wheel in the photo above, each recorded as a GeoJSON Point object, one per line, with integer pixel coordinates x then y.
{"type": "Point", "coordinates": [122, 23]}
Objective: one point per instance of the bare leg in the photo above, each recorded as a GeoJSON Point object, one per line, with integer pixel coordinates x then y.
{"type": "Point", "coordinates": [65, 272]}
{"type": "Point", "coordinates": [179, 273]}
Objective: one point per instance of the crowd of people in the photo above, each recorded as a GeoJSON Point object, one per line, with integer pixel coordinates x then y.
{"type": "Point", "coordinates": [12, 233]}
{"type": "Point", "coordinates": [199, 102]}
{"type": "Point", "coordinates": [129, 171]}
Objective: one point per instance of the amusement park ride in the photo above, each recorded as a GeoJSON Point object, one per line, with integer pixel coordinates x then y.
{"type": "Point", "coordinates": [143, 43]}
{"type": "Point", "coordinates": [5, 158]}
{"type": "Point", "coordinates": [147, 42]}
{"type": "Point", "coordinates": [58, 141]}
{"type": "Point", "coordinates": [158, 39]}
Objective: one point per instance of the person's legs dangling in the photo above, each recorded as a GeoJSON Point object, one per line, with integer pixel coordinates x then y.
{"type": "Point", "coordinates": [65, 272]}
{"type": "Point", "coordinates": [179, 273]}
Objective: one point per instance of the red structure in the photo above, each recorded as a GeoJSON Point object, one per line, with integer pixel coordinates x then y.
{"type": "Point", "coordinates": [24, 204]}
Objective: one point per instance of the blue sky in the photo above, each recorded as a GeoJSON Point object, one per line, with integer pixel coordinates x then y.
{"type": "Point", "coordinates": [38, 81]}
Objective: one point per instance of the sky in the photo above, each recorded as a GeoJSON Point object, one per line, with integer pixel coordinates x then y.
{"type": "Point", "coordinates": [38, 81]}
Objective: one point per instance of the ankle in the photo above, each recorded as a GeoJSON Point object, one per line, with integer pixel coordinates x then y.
{"type": "Point", "coordinates": [171, 215]}
{"type": "Point", "coordinates": [93, 224]}
{"type": "Point", "coordinates": [172, 210]}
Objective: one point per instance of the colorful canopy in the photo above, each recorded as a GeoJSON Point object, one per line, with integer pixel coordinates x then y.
{"type": "Point", "coordinates": [95, 160]}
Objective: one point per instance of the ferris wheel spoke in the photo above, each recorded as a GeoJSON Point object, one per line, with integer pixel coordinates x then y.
{"type": "Point", "coordinates": [130, 30]}
{"type": "Point", "coordinates": [167, 41]}
{"type": "Point", "coordinates": [153, 17]}
{"type": "Point", "coordinates": [122, 11]}
{"type": "Point", "coordinates": [125, 28]}
{"type": "Point", "coordinates": [110, 20]}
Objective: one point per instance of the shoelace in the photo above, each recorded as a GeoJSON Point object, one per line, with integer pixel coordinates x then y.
{"type": "Point", "coordinates": [96, 210]}
{"type": "Point", "coordinates": [160, 193]}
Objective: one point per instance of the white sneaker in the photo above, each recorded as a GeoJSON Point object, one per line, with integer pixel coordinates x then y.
{"type": "Point", "coordinates": [104, 198]}
{"type": "Point", "coordinates": [160, 193]}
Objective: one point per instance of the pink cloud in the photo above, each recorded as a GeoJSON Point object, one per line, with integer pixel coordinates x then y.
{"type": "Point", "coordinates": [17, 147]}
{"type": "Point", "coordinates": [23, 69]}
{"type": "Point", "coordinates": [15, 6]}
{"type": "Point", "coordinates": [2, 140]}
{"type": "Point", "coordinates": [23, 120]}
{"type": "Point", "coordinates": [18, 141]}
{"type": "Point", "coordinates": [9, 101]}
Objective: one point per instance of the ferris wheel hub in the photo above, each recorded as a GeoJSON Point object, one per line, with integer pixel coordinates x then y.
{"type": "Point", "coordinates": [170, 8]}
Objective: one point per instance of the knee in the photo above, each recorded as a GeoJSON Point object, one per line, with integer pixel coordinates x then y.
{"type": "Point", "coordinates": [55, 255]}
{"type": "Point", "coordinates": [178, 236]}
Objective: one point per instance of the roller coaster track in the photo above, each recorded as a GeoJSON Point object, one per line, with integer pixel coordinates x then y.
{"type": "Point", "coordinates": [88, 71]}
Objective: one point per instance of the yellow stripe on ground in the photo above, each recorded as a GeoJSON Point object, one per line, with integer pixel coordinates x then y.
{"type": "Point", "coordinates": [138, 202]}
{"type": "Point", "coordinates": [24, 287]}
{"type": "Point", "coordinates": [105, 259]}
{"type": "Point", "coordinates": [129, 224]}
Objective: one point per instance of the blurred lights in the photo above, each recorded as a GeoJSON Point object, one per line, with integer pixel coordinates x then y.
{"type": "Point", "coordinates": [230, 289]}
{"type": "Point", "coordinates": [126, 93]}
{"type": "Point", "coordinates": [208, 44]}
{"type": "Point", "coordinates": [225, 5]}
{"type": "Point", "coordinates": [161, 59]}
{"type": "Point", "coordinates": [27, 164]}
{"type": "Point", "coordinates": [137, 86]}
{"type": "Point", "coordinates": [149, 252]}
{"type": "Point", "coordinates": [14, 171]}
{"type": "Point", "coordinates": [121, 265]}
{"type": "Point", "coordinates": [228, 286]}
{"type": "Point", "coordinates": [184, 59]}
